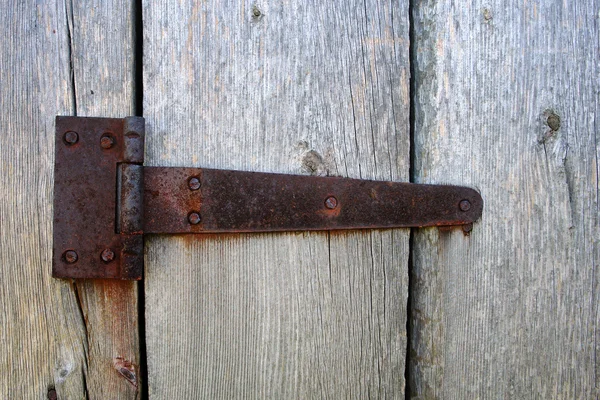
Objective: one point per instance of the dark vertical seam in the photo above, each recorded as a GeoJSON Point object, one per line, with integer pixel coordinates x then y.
{"type": "Point", "coordinates": [138, 106]}
{"type": "Point", "coordinates": [69, 15]}
{"type": "Point", "coordinates": [138, 42]}
{"type": "Point", "coordinates": [412, 174]}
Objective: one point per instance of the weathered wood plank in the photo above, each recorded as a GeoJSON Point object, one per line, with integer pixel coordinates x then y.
{"type": "Point", "coordinates": [103, 49]}
{"type": "Point", "coordinates": [292, 87]}
{"type": "Point", "coordinates": [44, 339]}
{"type": "Point", "coordinates": [512, 310]}
{"type": "Point", "coordinates": [41, 335]}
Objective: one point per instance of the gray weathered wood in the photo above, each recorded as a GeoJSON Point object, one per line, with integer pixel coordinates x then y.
{"type": "Point", "coordinates": [292, 87]}
{"type": "Point", "coordinates": [510, 312]}
{"type": "Point", "coordinates": [45, 340]}
{"type": "Point", "coordinates": [103, 48]}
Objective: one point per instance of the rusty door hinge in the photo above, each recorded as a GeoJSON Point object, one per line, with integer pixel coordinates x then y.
{"type": "Point", "coordinates": [105, 200]}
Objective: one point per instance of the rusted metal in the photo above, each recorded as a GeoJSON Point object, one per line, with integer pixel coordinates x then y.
{"type": "Point", "coordinates": [194, 183]}
{"type": "Point", "coordinates": [238, 201]}
{"type": "Point", "coordinates": [467, 228]}
{"type": "Point", "coordinates": [107, 141]}
{"type": "Point", "coordinates": [71, 137]}
{"type": "Point", "coordinates": [85, 199]}
{"type": "Point", "coordinates": [130, 195]}
{"type": "Point", "coordinates": [105, 200]}
{"type": "Point", "coordinates": [70, 257]}
{"type": "Point", "coordinates": [465, 205]}
{"type": "Point", "coordinates": [331, 202]}
{"type": "Point", "coordinates": [194, 218]}
{"type": "Point", "coordinates": [107, 255]}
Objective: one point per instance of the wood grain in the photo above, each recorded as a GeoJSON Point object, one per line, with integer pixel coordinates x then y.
{"type": "Point", "coordinates": [103, 49]}
{"type": "Point", "coordinates": [506, 100]}
{"type": "Point", "coordinates": [291, 87]}
{"type": "Point", "coordinates": [54, 334]}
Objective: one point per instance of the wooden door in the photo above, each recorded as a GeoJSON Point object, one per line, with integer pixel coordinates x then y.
{"type": "Point", "coordinates": [500, 97]}
{"type": "Point", "coordinates": [506, 100]}
{"type": "Point", "coordinates": [294, 87]}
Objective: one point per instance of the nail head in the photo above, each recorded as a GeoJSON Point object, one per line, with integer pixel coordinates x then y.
{"type": "Point", "coordinates": [71, 137]}
{"type": "Point", "coordinates": [465, 205]}
{"type": "Point", "coordinates": [331, 202]}
{"type": "Point", "coordinates": [194, 218]}
{"type": "Point", "coordinates": [106, 142]}
{"type": "Point", "coordinates": [108, 255]}
{"type": "Point", "coordinates": [194, 183]}
{"type": "Point", "coordinates": [70, 256]}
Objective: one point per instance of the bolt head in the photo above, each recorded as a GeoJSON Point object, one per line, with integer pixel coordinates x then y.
{"type": "Point", "coordinates": [70, 256]}
{"type": "Point", "coordinates": [331, 202]}
{"type": "Point", "coordinates": [465, 205]}
{"type": "Point", "coordinates": [107, 255]}
{"type": "Point", "coordinates": [194, 218]}
{"type": "Point", "coordinates": [106, 142]}
{"type": "Point", "coordinates": [467, 228]}
{"type": "Point", "coordinates": [194, 183]}
{"type": "Point", "coordinates": [71, 137]}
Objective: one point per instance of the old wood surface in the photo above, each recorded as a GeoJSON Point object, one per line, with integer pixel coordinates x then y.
{"type": "Point", "coordinates": [292, 87]}
{"type": "Point", "coordinates": [506, 100]}
{"type": "Point", "coordinates": [53, 333]}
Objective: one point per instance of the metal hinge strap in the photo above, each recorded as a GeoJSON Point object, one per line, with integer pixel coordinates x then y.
{"type": "Point", "coordinates": [105, 200]}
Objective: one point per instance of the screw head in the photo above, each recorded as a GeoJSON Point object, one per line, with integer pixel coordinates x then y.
{"type": "Point", "coordinates": [71, 137]}
{"type": "Point", "coordinates": [70, 256]}
{"type": "Point", "coordinates": [331, 202]}
{"type": "Point", "coordinates": [465, 205]}
{"type": "Point", "coordinates": [194, 218]}
{"type": "Point", "coordinates": [194, 183]}
{"type": "Point", "coordinates": [107, 255]}
{"type": "Point", "coordinates": [106, 142]}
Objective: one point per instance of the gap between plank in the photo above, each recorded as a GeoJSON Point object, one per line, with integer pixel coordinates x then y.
{"type": "Point", "coordinates": [411, 175]}
{"type": "Point", "coordinates": [138, 104]}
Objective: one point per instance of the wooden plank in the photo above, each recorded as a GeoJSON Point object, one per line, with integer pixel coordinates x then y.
{"type": "Point", "coordinates": [291, 87]}
{"type": "Point", "coordinates": [54, 334]}
{"type": "Point", "coordinates": [506, 100]}
{"type": "Point", "coordinates": [103, 49]}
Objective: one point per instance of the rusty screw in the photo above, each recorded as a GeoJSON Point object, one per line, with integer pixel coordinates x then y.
{"type": "Point", "coordinates": [194, 183]}
{"type": "Point", "coordinates": [465, 205]}
{"type": "Point", "coordinates": [194, 218]}
{"type": "Point", "coordinates": [71, 137]}
{"type": "Point", "coordinates": [70, 257]}
{"type": "Point", "coordinates": [106, 142]}
{"type": "Point", "coordinates": [331, 202]}
{"type": "Point", "coordinates": [107, 255]}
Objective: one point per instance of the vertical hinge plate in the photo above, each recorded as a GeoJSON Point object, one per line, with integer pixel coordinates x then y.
{"type": "Point", "coordinates": [97, 200]}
